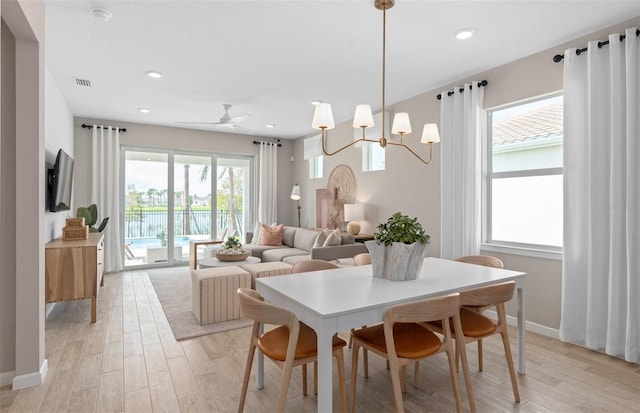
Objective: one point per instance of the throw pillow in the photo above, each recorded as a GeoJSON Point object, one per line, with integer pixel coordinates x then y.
{"type": "Point", "coordinates": [257, 232]}
{"type": "Point", "coordinates": [322, 236]}
{"type": "Point", "coordinates": [333, 239]}
{"type": "Point", "coordinates": [271, 236]}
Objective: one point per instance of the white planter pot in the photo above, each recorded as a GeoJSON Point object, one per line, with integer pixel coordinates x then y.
{"type": "Point", "coordinates": [398, 262]}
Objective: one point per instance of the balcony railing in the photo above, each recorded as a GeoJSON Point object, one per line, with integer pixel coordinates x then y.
{"type": "Point", "coordinates": [148, 224]}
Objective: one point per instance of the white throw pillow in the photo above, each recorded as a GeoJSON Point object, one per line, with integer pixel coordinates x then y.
{"type": "Point", "coordinates": [322, 236]}
{"type": "Point", "coordinates": [333, 238]}
{"type": "Point", "coordinates": [257, 233]}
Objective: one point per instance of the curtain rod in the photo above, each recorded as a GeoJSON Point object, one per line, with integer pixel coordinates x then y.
{"type": "Point", "coordinates": [481, 83]}
{"type": "Point", "coordinates": [268, 143]}
{"type": "Point", "coordinates": [558, 58]}
{"type": "Point", "coordinates": [84, 125]}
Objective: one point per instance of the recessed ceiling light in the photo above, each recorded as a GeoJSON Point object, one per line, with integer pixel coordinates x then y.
{"type": "Point", "coordinates": [270, 125]}
{"type": "Point", "coordinates": [315, 102]}
{"type": "Point", "coordinates": [101, 14]}
{"type": "Point", "coordinates": [144, 110]}
{"type": "Point", "coordinates": [154, 75]}
{"type": "Point", "coordinates": [464, 34]}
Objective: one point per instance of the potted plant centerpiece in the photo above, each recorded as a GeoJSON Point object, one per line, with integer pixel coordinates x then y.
{"type": "Point", "coordinates": [397, 251]}
{"type": "Point", "coordinates": [232, 250]}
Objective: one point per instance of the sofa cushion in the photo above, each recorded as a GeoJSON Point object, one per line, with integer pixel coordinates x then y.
{"type": "Point", "coordinates": [257, 250]}
{"type": "Point", "coordinates": [295, 258]}
{"type": "Point", "coordinates": [271, 235]}
{"type": "Point", "coordinates": [288, 234]}
{"type": "Point", "coordinates": [279, 254]}
{"type": "Point", "coordinates": [333, 239]}
{"type": "Point", "coordinates": [304, 238]}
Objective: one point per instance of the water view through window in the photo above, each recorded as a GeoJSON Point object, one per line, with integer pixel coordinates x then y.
{"type": "Point", "coordinates": [168, 202]}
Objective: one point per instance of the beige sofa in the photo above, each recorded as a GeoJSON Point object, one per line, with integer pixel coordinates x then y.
{"type": "Point", "coordinates": [297, 245]}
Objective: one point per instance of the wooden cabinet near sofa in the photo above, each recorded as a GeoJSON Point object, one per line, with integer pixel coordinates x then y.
{"type": "Point", "coordinates": [73, 270]}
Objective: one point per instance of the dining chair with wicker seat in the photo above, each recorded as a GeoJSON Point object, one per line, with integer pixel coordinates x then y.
{"type": "Point", "coordinates": [402, 340]}
{"type": "Point", "coordinates": [291, 344]}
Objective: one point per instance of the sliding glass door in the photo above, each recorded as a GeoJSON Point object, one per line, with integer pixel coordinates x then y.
{"type": "Point", "coordinates": [169, 201]}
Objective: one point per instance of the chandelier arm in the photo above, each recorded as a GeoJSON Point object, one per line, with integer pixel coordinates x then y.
{"type": "Point", "coordinates": [324, 141]}
{"type": "Point", "coordinates": [415, 154]}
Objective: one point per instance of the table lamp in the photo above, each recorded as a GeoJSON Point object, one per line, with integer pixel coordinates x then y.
{"type": "Point", "coordinates": [353, 213]}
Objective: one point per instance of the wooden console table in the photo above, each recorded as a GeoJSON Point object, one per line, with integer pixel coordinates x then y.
{"type": "Point", "coordinates": [73, 270]}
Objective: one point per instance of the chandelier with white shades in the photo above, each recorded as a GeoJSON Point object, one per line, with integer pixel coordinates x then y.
{"type": "Point", "coordinates": [363, 118]}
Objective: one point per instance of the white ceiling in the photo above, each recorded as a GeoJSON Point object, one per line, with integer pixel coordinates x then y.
{"type": "Point", "coordinates": [272, 58]}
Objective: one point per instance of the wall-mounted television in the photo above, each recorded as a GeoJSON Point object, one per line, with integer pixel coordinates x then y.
{"type": "Point", "coordinates": [60, 183]}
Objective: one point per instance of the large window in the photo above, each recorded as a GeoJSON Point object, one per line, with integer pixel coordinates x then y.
{"type": "Point", "coordinates": [171, 198]}
{"type": "Point", "coordinates": [524, 175]}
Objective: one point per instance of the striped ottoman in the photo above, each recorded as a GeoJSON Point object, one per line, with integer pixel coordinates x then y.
{"type": "Point", "coordinates": [213, 293]}
{"type": "Point", "coordinates": [266, 269]}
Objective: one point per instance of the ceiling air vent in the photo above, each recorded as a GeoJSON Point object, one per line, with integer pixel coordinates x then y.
{"type": "Point", "coordinates": [82, 82]}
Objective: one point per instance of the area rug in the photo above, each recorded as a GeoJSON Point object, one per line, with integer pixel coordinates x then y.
{"type": "Point", "coordinates": [173, 287]}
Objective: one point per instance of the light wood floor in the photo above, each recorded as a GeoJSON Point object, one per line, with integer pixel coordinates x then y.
{"type": "Point", "coordinates": [129, 361]}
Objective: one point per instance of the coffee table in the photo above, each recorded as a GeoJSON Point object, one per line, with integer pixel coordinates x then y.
{"type": "Point", "coordinates": [214, 262]}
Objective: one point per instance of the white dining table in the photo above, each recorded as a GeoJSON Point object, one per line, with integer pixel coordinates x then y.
{"type": "Point", "coordinates": [340, 299]}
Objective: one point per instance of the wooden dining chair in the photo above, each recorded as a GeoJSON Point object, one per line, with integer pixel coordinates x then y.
{"type": "Point", "coordinates": [291, 344]}
{"type": "Point", "coordinates": [487, 261]}
{"type": "Point", "coordinates": [475, 326]}
{"type": "Point", "coordinates": [362, 259]}
{"type": "Point", "coordinates": [401, 339]}
{"type": "Point", "coordinates": [312, 265]}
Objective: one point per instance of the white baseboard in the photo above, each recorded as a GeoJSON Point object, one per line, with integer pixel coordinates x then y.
{"type": "Point", "coordinates": [6, 378]}
{"type": "Point", "coordinates": [31, 379]}
{"type": "Point", "coordinates": [529, 326]}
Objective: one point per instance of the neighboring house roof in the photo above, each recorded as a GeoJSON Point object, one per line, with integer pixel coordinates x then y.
{"type": "Point", "coordinates": [536, 124]}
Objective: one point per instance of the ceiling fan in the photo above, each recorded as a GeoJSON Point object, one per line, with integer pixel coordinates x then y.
{"type": "Point", "coordinates": [226, 121]}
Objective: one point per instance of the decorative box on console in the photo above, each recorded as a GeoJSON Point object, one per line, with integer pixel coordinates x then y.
{"type": "Point", "coordinates": [75, 230]}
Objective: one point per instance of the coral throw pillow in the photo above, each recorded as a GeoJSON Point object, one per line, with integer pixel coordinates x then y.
{"type": "Point", "coordinates": [271, 236]}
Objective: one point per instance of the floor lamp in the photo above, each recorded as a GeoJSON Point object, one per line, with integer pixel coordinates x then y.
{"type": "Point", "coordinates": [295, 195]}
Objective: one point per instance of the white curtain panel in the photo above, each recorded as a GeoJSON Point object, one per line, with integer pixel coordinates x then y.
{"type": "Point", "coordinates": [601, 263]}
{"type": "Point", "coordinates": [105, 191]}
{"type": "Point", "coordinates": [268, 193]}
{"type": "Point", "coordinates": [462, 128]}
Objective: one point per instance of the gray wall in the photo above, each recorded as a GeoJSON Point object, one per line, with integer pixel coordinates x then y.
{"type": "Point", "coordinates": [23, 112]}
{"type": "Point", "coordinates": [413, 188]}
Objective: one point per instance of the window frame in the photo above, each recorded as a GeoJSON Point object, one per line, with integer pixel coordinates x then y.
{"type": "Point", "coordinates": [511, 247]}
